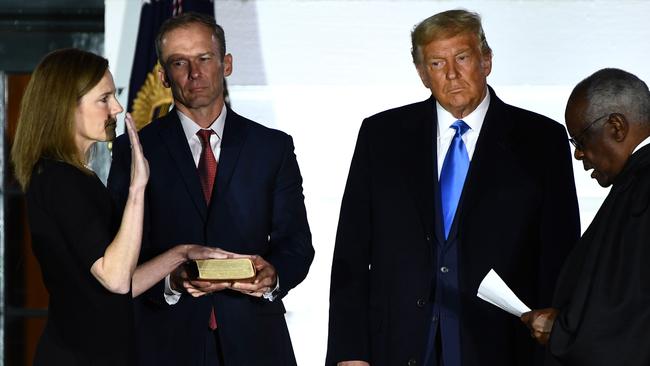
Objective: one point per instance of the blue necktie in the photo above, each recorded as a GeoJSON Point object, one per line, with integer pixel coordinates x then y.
{"type": "Point", "coordinates": [452, 176]}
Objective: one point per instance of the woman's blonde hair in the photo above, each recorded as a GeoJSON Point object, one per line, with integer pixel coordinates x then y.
{"type": "Point", "coordinates": [47, 111]}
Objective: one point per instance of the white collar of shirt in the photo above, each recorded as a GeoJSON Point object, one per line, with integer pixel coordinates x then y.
{"type": "Point", "coordinates": [190, 128]}
{"type": "Point", "coordinates": [445, 133]}
{"type": "Point", "coordinates": [642, 144]}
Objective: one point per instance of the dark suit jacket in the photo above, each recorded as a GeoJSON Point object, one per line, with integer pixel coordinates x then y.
{"type": "Point", "coordinates": [518, 214]}
{"type": "Point", "coordinates": [256, 208]}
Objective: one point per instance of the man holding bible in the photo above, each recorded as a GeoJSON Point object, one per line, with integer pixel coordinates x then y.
{"type": "Point", "coordinates": [438, 193]}
{"type": "Point", "coordinates": [217, 179]}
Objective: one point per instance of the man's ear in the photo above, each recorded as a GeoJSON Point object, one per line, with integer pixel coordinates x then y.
{"type": "Point", "coordinates": [227, 65]}
{"type": "Point", "coordinates": [423, 75]}
{"type": "Point", "coordinates": [618, 126]}
{"type": "Point", "coordinates": [162, 74]}
{"type": "Point", "coordinates": [486, 64]}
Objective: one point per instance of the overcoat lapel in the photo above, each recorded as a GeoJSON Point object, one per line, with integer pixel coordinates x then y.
{"type": "Point", "coordinates": [418, 162]}
{"type": "Point", "coordinates": [173, 137]}
{"type": "Point", "coordinates": [492, 149]}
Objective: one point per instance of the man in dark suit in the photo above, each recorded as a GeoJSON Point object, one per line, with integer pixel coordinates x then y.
{"type": "Point", "coordinates": [439, 192]}
{"type": "Point", "coordinates": [254, 206]}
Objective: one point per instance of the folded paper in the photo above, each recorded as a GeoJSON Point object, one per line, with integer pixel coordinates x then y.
{"type": "Point", "coordinates": [493, 290]}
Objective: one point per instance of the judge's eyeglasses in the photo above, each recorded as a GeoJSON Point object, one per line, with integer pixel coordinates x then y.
{"type": "Point", "coordinates": [577, 140]}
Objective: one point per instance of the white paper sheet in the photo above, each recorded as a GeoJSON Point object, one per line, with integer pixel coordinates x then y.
{"type": "Point", "coordinates": [493, 290]}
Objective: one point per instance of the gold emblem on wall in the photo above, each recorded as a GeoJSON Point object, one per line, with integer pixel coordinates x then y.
{"type": "Point", "coordinates": [152, 101]}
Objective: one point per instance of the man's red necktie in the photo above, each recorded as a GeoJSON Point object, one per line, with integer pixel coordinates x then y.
{"type": "Point", "coordinates": [207, 164]}
{"type": "Point", "coordinates": [207, 172]}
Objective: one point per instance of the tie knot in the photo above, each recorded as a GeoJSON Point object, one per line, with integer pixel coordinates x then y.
{"type": "Point", "coordinates": [460, 126]}
{"type": "Point", "coordinates": [204, 136]}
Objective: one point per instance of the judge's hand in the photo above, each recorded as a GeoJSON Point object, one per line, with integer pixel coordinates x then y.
{"type": "Point", "coordinates": [265, 279]}
{"type": "Point", "coordinates": [353, 363]}
{"type": "Point", "coordinates": [180, 280]}
{"type": "Point", "coordinates": [139, 164]}
{"type": "Point", "coordinates": [540, 322]}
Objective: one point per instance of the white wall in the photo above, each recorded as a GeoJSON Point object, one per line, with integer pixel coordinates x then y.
{"type": "Point", "coordinates": [315, 69]}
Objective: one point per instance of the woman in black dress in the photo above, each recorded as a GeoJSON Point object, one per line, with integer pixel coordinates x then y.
{"type": "Point", "coordinates": [87, 256]}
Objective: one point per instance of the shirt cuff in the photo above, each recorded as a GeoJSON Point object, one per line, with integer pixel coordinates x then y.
{"type": "Point", "coordinates": [273, 294]}
{"type": "Point", "coordinates": [171, 296]}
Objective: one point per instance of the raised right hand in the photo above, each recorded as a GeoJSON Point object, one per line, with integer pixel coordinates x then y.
{"type": "Point", "coordinates": [139, 164]}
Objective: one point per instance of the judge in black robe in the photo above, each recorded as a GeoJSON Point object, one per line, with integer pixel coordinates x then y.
{"type": "Point", "coordinates": [601, 313]}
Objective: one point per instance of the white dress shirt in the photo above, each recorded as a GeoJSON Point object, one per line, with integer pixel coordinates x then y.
{"type": "Point", "coordinates": [445, 133]}
{"type": "Point", "coordinates": [641, 144]}
{"type": "Point", "coordinates": [190, 128]}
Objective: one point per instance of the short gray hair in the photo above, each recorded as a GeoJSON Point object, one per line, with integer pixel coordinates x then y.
{"type": "Point", "coordinates": [185, 20]}
{"type": "Point", "coordinates": [615, 91]}
{"type": "Point", "coordinates": [445, 25]}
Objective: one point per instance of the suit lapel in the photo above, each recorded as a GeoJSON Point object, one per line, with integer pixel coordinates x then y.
{"type": "Point", "coordinates": [418, 161]}
{"type": "Point", "coordinates": [234, 134]}
{"type": "Point", "coordinates": [492, 147]}
{"type": "Point", "coordinates": [173, 137]}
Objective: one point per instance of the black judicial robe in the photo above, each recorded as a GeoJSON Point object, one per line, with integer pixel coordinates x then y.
{"type": "Point", "coordinates": [603, 291]}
